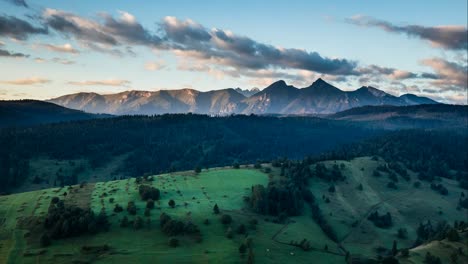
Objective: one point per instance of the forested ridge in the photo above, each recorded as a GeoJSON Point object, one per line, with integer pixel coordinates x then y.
{"type": "Point", "coordinates": [156, 144]}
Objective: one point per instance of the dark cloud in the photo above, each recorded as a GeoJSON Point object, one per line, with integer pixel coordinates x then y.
{"type": "Point", "coordinates": [80, 28]}
{"type": "Point", "coordinates": [447, 37]}
{"type": "Point", "coordinates": [226, 48]}
{"type": "Point", "coordinates": [17, 28]}
{"type": "Point", "coordinates": [427, 75]}
{"type": "Point", "coordinates": [18, 3]}
{"type": "Point", "coordinates": [107, 30]}
{"type": "Point", "coordinates": [184, 32]}
{"type": "Point", "coordinates": [193, 40]}
{"type": "Point", "coordinates": [6, 53]}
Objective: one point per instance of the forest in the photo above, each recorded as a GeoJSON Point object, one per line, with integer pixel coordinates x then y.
{"type": "Point", "coordinates": [157, 144]}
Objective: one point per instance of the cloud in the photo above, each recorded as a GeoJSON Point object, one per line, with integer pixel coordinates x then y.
{"type": "Point", "coordinates": [375, 71]}
{"type": "Point", "coordinates": [18, 3]}
{"type": "Point", "coordinates": [192, 40]}
{"type": "Point", "coordinates": [17, 28]}
{"type": "Point", "coordinates": [6, 53]}
{"type": "Point", "coordinates": [449, 76]}
{"type": "Point", "coordinates": [155, 65]}
{"type": "Point", "coordinates": [27, 81]}
{"type": "Point", "coordinates": [63, 61]}
{"type": "Point", "coordinates": [106, 30]}
{"type": "Point", "coordinates": [66, 48]}
{"type": "Point", "coordinates": [55, 60]}
{"type": "Point", "coordinates": [110, 82]}
{"type": "Point", "coordinates": [447, 37]}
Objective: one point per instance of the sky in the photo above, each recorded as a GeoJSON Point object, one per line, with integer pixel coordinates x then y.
{"type": "Point", "coordinates": [53, 48]}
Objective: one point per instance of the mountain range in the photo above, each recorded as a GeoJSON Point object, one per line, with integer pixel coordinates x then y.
{"type": "Point", "coordinates": [278, 98]}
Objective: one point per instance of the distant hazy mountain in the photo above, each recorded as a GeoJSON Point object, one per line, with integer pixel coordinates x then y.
{"type": "Point", "coordinates": [247, 92]}
{"type": "Point", "coordinates": [31, 112]}
{"type": "Point", "coordinates": [278, 98]}
{"type": "Point", "coordinates": [159, 102]}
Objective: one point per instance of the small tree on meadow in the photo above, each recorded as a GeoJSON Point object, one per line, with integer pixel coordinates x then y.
{"type": "Point", "coordinates": [226, 219]}
{"type": "Point", "coordinates": [216, 209]}
{"type": "Point", "coordinates": [171, 203]}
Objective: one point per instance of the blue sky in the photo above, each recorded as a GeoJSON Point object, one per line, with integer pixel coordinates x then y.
{"type": "Point", "coordinates": [397, 46]}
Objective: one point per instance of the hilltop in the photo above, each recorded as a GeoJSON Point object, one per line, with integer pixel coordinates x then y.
{"type": "Point", "coordinates": [33, 112]}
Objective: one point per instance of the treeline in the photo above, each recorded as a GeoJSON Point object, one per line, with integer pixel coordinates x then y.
{"type": "Point", "coordinates": [158, 144]}
{"type": "Point", "coordinates": [287, 196]}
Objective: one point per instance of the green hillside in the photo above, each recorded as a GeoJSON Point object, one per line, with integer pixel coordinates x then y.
{"type": "Point", "coordinates": [346, 209]}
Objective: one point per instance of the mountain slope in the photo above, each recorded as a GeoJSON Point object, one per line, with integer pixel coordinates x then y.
{"type": "Point", "coordinates": [278, 98]}
{"type": "Point", "coordinates": [31, 112]}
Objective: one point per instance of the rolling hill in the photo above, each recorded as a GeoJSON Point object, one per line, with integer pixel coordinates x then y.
{"type": "Point", "coordinates": [32, 112]}
{"type": "Point", "coordinates": [278, 98]}
{"type": "Point", "coordinates": [144, 236]}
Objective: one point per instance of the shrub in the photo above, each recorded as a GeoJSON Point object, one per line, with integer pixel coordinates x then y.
{"type": "Point", "coordinates": [382, 221]}
{"type": "Point", "coordinates": [118, 208]}
{"type": "Point", "coordinates": [138, 223]}
{"type": "Point", "coordinates": [124, 222]}
{"type": "Point", "coordinates": [216, 209]}
{"type": "Point", "coordinates": [173, 228]}
{"type": "Point", "coordinates": [173, 242]}
{"type": "Point", "coordinates": [45, 240]}
{"type": "Point", "coordinates": [131, 208]}
{"type": "Point", "coordinates": [171, 203]}
{"type": "Point", "coordinates": [150, 204]}
{"type": "Point", "coordinates": [190, 228]}
{"type": "Point", "coordinates": [402, 233]}
{"type": "Point", "coordinates": [149, 192]}
{"type": "Point", "coordinates": [164, 219]}
{"type": "Point", "coordinates": [241, 229]}
{"type": "Point", "coordinates": [229, 233]}
{"type": "Point", "coordinates": [226, 219]}
{"type": "Point", "coordinates": [55, 200]}
{"type": "Point", "coordinates": [242, 248]}
{"type": "Point", "coordinates": [452, 235]}
{"type": "Point", "coordinates": [431, 259]}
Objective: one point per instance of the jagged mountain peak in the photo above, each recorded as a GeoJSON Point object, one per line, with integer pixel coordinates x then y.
{"type": "Point", "coordinates": [278, 85]}
{"type": "Point", "coordinates": [323, 87]}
